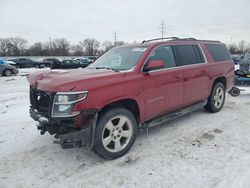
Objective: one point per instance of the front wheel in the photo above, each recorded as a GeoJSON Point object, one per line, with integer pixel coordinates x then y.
{"type": "Point", "coordinates": [115, 133]}
{"type": "Point", "coordinates": [216, 99]}
{"type": "Point", "coordinates": [7, 72]}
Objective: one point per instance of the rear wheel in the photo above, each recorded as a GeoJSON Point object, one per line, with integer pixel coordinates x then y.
{"type": "Point", "coordinates": [216, 99]}
{"type": "Point", "coordinates": [115, 133]}
{"type": "Point", "coordinates": [7, 72]}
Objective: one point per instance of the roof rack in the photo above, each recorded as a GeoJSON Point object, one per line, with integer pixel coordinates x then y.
{"type": "Point", "coordinates": [172, 38]}
{"type": "Point", "coordinates": [176, 38]}
{"type": "Point", "coordinates": [188, 39]}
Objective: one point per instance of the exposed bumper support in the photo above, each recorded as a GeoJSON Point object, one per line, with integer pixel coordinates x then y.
{"type": "Point", "coordinates": [71, 138]}
{"type": "Point", "coordinates": [75, 139]}
{"type": "Point", "coordinates": [79, 138]}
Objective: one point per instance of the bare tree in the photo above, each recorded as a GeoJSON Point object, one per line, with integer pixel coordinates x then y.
{"type": "Point", "coordinates": [17, 46]}
{"type": "Point", "coordinates": [60, 47]}
{"type": "Point", "coordinates": [107, 45]}
{"type": "Point", "coordinates": [47, 49]}
{"type": "Point", "coordinates": [120, 43]}
{"type": "Point", "coordinates": [242, 46]}
{"type": "Point", "coordinates": [233, 49]}
{"type": "Point", "coordinates": [91, 46]}
{"type": "Point", "coordinates": [77, 50]}
{"type": "Point", "coordinates": [4, 47]}
{"type": "Point", "coordinates": [248, 48]}
{"type": "Point", "coordinates": [36, 49]}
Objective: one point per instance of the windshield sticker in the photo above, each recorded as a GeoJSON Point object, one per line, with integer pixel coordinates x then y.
{"type": "Point", "coordinates": [139, 49]}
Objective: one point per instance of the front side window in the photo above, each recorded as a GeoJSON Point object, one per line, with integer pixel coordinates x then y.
{"type": "Point", "coordinates": [164, 53]}
{"type": "Point", "coordinates": [122, 58]}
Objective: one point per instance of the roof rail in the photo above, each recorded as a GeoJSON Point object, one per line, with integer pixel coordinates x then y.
{"type": "Point", "coordinates": [198, 40]}
{"type": "Point", "coordinates": [180, 39]}
{"type": "Point", "coordinates": [187, 39]}
{"type": "Point", "coordinates": [171, 38]}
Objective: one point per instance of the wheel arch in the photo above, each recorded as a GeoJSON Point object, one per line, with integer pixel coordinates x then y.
{"type": "Point", "coordinates": [221, 79]}
{"type": "Point", "coordinates": [129, 104]}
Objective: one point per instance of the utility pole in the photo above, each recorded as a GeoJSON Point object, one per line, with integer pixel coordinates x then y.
{"type": "Point", "coordinates": [50, 46]}
{"type": "Point", "coordinates": [162, 28]}
{"type": "Point", "coordinates": [115, 38]}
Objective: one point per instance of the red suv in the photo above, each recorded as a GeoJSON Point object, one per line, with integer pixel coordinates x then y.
{"type": "Point", "coordinates": [127, 88]}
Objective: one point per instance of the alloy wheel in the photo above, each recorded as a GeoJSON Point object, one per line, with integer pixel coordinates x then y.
{"type": "Point", "coordinates": [219, 97]}
{"type": "Point", "coordinates": [117, 134]}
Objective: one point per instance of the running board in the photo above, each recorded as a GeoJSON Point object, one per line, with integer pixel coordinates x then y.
{"type": "Point", "coordinates": [173, 115]}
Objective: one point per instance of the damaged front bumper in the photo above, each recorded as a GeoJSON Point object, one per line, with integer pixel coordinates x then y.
{"type": "Point", "coordinates": [66, 134]}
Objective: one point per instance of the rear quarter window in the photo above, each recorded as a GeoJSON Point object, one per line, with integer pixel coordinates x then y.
{"type": "Point", "coordinates": [218, 52]}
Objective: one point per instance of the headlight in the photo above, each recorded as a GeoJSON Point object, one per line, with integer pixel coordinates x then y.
{"type": "Point", "coordinates": [64, 102]}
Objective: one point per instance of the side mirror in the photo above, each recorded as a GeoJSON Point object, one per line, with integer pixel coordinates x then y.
{"type": "Point", "coordinates": [154, 65]}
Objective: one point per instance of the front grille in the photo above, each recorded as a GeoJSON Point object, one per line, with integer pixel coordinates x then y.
{"type": "Point", "coordinates": [42, 101]}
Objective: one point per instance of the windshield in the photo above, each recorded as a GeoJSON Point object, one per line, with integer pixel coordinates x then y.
{"type": "Point", "coordinates": [123, 58]}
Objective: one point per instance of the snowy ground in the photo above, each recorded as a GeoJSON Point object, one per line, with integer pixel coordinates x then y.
{"type": "Point", "coordinates": [198, 150]}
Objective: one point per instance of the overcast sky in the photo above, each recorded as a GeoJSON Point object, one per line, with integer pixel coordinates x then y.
{"type": "Point", "coordinates": [133, 20]}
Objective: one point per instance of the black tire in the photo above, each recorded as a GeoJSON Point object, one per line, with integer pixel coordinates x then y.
{"type": "Point", "coordinates": [213, 105]}
{"type": "Point", "coordinates": [234, 92]}
{"type": "Point", "coordinates": [7, 72]}
{"type": "Point", "coordinates": [105, 131]}
{"type": "Point", "coordinates": [47, 65]}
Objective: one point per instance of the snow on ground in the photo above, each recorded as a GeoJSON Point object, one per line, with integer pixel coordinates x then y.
{"type": "Point", "coordinates": [198, 150]}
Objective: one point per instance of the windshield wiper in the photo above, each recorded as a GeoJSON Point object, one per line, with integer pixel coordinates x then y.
{"type": "Point", "coordinates": [107, 68]}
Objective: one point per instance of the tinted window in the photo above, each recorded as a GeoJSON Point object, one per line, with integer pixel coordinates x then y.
{"type": "Point", "coordinates": [199, 55]}
{"type": "Point", "coordinates": [73, 62]}
{"type": "Point", "coordinates": [164, 53]}
{"type": "Point", "coordinates": [188, 54]}
{"type": "Point", "coordinates": [82, 60]}
{"type": "Point", "coordinates": [219, 52]}
{"type": "Point", "coordinates": [66, 62]}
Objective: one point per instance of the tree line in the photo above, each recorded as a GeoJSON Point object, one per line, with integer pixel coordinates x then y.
{"type": "Point", "coordinates": [240, 48]}
{"type": "Point", "coordinates": [18, 46]}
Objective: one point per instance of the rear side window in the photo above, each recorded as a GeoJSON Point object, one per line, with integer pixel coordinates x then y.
{"type": "Point", "coordinates": [219, 52]}
{"type": "Point", "coordinates": [188, 55]}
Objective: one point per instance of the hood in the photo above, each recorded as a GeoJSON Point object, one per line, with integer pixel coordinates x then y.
{"type": "Point", "coordinates": [11, 62]}
{"type": "Point", "coordinates": [72, 80]}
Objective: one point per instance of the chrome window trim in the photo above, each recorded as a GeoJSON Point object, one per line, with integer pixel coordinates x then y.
{"type": "Point", "coordinates": [177, 67]}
